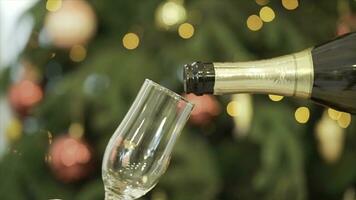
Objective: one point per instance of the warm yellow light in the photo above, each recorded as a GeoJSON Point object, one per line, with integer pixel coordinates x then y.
{"type": "Point", "coordinates": [254, 23]}
{"type": "Point", "coordinates": [290, 4]}
{"type": "Point", "coordinates": [334, 114]}
{"type": "Point", "coordinates": [232, 108]}
{"type": "Point", "coordinates": [345, 120]}
{"type": "Point", "coordinates": [131, 41]}
{"type": "Point", "coordinates": [186, 30]}
{"type": "Point", "coordinates": [302, 115]}
{"type": "Point", "coordinates": [53, 5]}
{"type": "Point", "coordinates": [275, 97]}
{"type": "Point", "coordinates": [262, 2]}
{"type": "Point", "coordinates": [267, 14]}
{"type": "Point", "coordinates": [77, 53]}
{"type": "Point", "coordinates": [76, 130]}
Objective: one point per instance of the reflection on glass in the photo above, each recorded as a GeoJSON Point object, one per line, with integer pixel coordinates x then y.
{"type": "Point", "coordinates": [139, 151]}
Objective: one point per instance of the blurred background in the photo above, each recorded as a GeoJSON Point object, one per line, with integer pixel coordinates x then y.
{"type": "Point", "coordinates": [69, 70]}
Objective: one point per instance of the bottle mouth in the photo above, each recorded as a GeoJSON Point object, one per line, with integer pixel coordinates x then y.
{"type": "Point", "coordinates": [199, 78]}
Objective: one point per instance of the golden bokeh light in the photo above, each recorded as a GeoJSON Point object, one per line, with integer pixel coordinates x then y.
{"type": "Point", "coordinates": [186, 30]}
{"type": "Point", "coordinates": [275, 97]}
{"type": "Point", "coordinates": [267, 14]}
{"type": "Point", "coordinates": [53, 5]}
{"type": "Point", "coordinates": [232, 108]}
{"type": "Point", "coordinates": [290, 4]}
{"type": "Point", "coordinates": [131, 41]}
{"type": "Point", "coordinates": [262, 2]}
{"type": "Point", "coordinates": [345, 120]}
{"type": "Point", "coordinates": [334, 114]}
{"type": "Point", "coordinates": [302, 115]}
{"type": "Point", "coordinates": [254, 23]}
{"type": "Point", "coordinates": [77, 53]}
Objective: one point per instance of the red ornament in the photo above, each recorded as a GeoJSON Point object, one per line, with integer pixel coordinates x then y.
{"type": "Point", "coordinates": [70, 159]}
{"type": "Point", "coordinates": [346, 24]}
{"type": "Point", "coordinates": [205, 109]}
{"type": "Point", "coordinates": [24, 95]}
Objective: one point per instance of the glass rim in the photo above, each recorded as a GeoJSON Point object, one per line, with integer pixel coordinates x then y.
{"type": "Point", "coordinates": [169, 92]}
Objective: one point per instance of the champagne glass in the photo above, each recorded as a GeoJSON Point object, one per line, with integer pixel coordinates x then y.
{"type": "Point", "coordinates": [139, 151]}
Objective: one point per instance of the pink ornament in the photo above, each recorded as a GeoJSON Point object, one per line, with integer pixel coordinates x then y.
{"type": "Point", "coordinates": [71, 159]}
{"type": "Point", "coordinates": [24, 95]}
{"type": "Point", "coordinates": [205, 109]}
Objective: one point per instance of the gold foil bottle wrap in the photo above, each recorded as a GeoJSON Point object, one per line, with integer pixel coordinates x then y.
{"type": "Point", "coordinates": [290, 75]}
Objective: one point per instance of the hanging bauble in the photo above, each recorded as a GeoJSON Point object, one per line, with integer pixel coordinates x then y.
{"type": "Point", "coordinates": [205, 110]}
{"type": "Point", "coordinates": [23, 95]}
{"type": "Point", "coordinates": [74, 23]}
{"type": "Point", "coordinates": [346, 24]}
{"type": "Point", "coordinates": [70, 159]}
{"type": "Point", "coordinates": [330, 138]}
{"type": "Point", "coordinates": [241, 109]}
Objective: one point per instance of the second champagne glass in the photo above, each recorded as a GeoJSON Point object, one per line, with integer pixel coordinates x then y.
{"type": "Point", "coordinates": [139, 151]}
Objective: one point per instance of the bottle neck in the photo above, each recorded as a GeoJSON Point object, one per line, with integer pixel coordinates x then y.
{"type": "Point", "coordinates": [290, 75]}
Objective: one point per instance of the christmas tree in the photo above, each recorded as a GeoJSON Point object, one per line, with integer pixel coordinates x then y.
{"type": "Point", "coordinates": [85, 61]}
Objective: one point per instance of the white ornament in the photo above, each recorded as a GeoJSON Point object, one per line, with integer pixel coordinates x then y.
{"type": "Point", "coordinates": [74, 23]}
{"type": "Point", "coordinates": [244, 114]}
{"type": "Point", "coordinates": [330, 137]}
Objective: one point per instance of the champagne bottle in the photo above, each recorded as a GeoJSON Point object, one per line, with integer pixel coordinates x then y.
{"type": "Point", "coordinates": [325, 74]}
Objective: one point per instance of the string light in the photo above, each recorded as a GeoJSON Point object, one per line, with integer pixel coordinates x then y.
{"type": "Point", "coordinates": [232, 108]}
{"type": "Point", "coordinates": [334, 114]}
{"type": "Point", "coordinates": [267, 14]}
{"type": "Point", "coordinates": [302, 115]}
{"type": "Point", "coordinates": [131, 41]}
{"type": "Point", "coordinates": [290, 4]}
{"type": "Point", "coordinates": [77, 53]}
{"type": "Point", "coordinates": [262, 2]}
{"type": "Point", "coordinates": [344, 120]}
{"type": "Point", "coordinates": [186, 30]}
{"type": "Point", "coordinates": [53, 5]}
{"type": "Point", "coordinates": [275, 97]}
{"type": "Point", "coordinates": [254, 23]}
